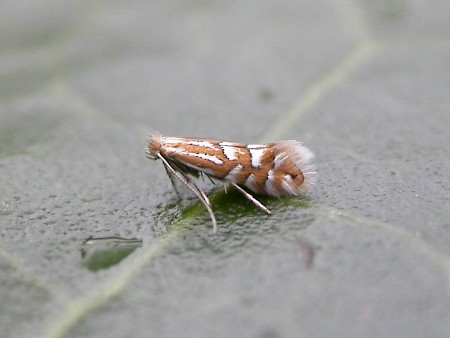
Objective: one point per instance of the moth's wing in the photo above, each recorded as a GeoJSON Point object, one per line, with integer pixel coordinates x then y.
{"type": "Point", "coordinates": [212, 158]}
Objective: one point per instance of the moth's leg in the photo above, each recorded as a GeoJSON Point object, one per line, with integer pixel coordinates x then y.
{"type": "Point", "coordinates": [196, 190]}
{"type": "Point", "coordinates": [251, 198]}
{"type": "Point", "coordinates": [210, 179]}
{"type": "Point", "coordinates": [204, 199]}
{"type": "Point", "coordinates": [169, 173]}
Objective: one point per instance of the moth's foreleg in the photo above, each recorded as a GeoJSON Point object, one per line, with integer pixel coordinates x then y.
{"type": "Point", "coordinates": [196, 190]}
{"type": "Point", "coordinates": [172, 180]}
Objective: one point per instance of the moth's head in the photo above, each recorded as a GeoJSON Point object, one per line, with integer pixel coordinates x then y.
{"type": "Point", "coordinates": [153, 146]}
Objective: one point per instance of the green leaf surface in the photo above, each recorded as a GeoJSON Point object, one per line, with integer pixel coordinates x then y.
{"type": "Point", "coordinates": [364, 84]}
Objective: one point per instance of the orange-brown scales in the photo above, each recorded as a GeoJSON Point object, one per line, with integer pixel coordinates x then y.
{"type": "Point", "coordinates": [275, 169]}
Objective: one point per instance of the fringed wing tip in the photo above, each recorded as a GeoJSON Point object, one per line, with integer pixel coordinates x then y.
{"type": "Point", "coordinates": [309, 172]}
{"type": "Point", "coordinates": [294, 152]}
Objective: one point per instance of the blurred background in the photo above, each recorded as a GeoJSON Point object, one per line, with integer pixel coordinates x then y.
{"type": "Point", "coordinates": [93, 240]}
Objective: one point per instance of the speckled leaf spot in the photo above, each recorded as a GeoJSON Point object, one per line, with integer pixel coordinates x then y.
{"type": "Point", "coordinates": [275, 169]}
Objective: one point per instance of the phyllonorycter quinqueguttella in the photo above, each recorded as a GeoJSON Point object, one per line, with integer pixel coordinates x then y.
{"type": "Point", "coordinates": [275, 169]}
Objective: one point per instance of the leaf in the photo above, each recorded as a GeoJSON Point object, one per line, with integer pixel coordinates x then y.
{"type": "Point", "coordinates": [362, 84]}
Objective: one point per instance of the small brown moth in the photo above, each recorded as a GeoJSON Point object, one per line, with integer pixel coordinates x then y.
{"type": "Point", "coordinates": [276, 169]}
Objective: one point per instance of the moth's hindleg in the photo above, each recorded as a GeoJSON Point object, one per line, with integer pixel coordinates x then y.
{"type": "Point", "coordinates": [251, 198]}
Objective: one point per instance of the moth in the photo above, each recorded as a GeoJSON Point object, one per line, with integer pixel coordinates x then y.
{"type": "Point", "coordinates": [275, 169]}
